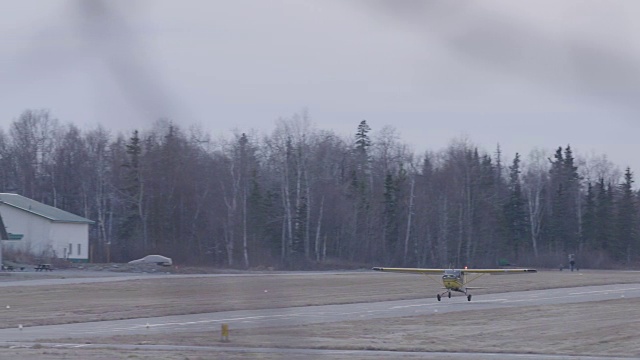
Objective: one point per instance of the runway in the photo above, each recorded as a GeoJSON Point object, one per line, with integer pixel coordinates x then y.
{"type": "Point", "coordinates": [294, 316]}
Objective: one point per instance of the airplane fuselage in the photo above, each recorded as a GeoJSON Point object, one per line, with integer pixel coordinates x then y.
{"type": "Point", "coordinates": [453, 280]}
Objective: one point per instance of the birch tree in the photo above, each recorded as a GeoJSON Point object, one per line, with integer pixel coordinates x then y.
{"type": "Point", "coordinates": [534, 183]}
{"type": "Point", "coordinates": [32, 136]}
{"type": "Point", "coordinates": [97, 143]}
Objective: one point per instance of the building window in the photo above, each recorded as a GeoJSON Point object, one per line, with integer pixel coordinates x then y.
{"type": "Point", "coordinates": [79, 249]}
{"type": "Point", "coordinates": [70, 249]}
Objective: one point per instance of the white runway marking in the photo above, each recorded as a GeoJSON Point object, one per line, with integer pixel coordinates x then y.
{"type": "Point", "coordinates": [604, 291]}
{"type": "Point", "coordinates": [490, 301]}
{"type": "Point", "coordinates": [410, 306]}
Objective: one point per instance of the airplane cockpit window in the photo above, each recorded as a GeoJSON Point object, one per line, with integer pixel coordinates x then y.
{"type": "Point", "coordinates": [450, 274]}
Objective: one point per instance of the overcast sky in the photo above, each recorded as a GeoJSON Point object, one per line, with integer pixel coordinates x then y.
{"type": "Point", "coordinates": [523, 74]}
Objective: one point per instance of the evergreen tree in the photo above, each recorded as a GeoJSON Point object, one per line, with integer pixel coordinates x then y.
{"type": "Point", "coordinates": [130, 227]}
{"type": "Point", "coordinates": [589, 224]}
{"type": "Point", "coordinates": [515, 213]}
{"type": "Point", "coordinates": [626, 242]}
{"type": "Point", "coordinates": [564, 227]}
{"type": "Point", "coordinates": [363, 142]}
{"type": "Point", "coordinates": [360, 191]}
{"type": "Point", "coordinates": [555, 230]}
{"type": "Point", "coordinates": [604, 216]}
{"type": "Point", "coordinates": [390, 230]}
{"type": "Point", "coordinates": [571, 243]}
{"type": "Point", "coordinates": [489, 216]}
{"type": "Point", "coordinates": [361, 170]}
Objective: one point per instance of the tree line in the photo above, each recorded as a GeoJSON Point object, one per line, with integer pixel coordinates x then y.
{"type": "Point", "coordinates": [303, 197]}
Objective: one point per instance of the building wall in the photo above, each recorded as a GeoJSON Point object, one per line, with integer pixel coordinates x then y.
{"type": "Point", "coordinates": [42, 236]}
{"type": "Point", "coordinates": [70, 240]}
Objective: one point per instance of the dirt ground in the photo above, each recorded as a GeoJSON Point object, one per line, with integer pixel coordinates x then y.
{"type": "Point", "coordinates": [604, 328]}
{"type": "Point", "coordinates": [113, 354]}
{"type": "Point", "coordinates": [608, 328]}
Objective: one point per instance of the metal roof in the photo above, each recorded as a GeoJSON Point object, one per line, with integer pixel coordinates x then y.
{"type": "Point", "coordinates": [40, 209]}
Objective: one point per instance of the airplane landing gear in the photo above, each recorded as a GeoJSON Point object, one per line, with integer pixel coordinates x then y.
{"type": "Point", "coordinates": [469, 297]}
{"type": "Point", "coordinates": [439, 296]}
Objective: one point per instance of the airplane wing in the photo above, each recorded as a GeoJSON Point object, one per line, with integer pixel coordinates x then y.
{"type": "Point", "coordinates": [441, 271]}
{"type": "Point", "coordinates": [498, 271]}
{"type": "Point", "coordinates": [410, 270]}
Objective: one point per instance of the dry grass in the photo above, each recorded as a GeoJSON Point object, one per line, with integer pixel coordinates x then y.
{"type": "Point", "coordinates": [115, 354]}
{"type": "Point", "coordinates": [42, 353]}
{"type": "Point", "coordinates": [606, 328]}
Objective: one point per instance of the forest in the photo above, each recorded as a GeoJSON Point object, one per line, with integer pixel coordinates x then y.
{"type": "Point", "coordinates": [307, 198]}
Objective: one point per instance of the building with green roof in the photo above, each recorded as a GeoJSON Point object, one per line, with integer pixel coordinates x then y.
{"type": "Point", "coordinates": [44, 230]}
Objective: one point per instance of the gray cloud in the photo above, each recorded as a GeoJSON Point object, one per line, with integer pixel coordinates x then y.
{"type": "Point", "coordinates": [435, 69]}
{"type": "Point", "coordinates": [107, 35]}
{"type": "Point", "coordinates": [95, 40]}
{"type": "Point", "coordinates": [484, 38]}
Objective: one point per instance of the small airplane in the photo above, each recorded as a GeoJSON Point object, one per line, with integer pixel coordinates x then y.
{"type": "Point", "coordinates": [455, 279]}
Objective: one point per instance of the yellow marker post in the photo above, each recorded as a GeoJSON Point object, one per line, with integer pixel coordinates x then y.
{"type": "Point", "coordinates": [224, 331]}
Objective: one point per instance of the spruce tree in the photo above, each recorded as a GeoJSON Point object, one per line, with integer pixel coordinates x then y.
{"type": "Point", "coordinates": [589, 225]}
{"type": "Point", "coordinates": [514, 210]}
{"type": "Point", "coordinates": [557, 195]}
{"type": "Point", "coordinates": [390, 230]}
{"type": "Point", "coordinates": [360, 192]}
{"type": "Point", "coordinates": [564, 228]}
{"type": "Point", "coordinates": [571, 243]}
{"type": "Point", "coordinates": [626, 223]}
{"type": "Point", "coordinates": [604, 216]}
{"type": "Point", "coordinates": [130, 227]}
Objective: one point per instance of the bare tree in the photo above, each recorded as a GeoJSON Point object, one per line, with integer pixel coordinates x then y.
{"type": "Point", "coordinates": [290, 147]}
{"type": "Point", "coordinates": [409, 219]}
{"type": "Point", "coordinates": [97, 142]}
{"type": "Point", "coordinates": [535, 181]}
{"type": "Point", "coordinates": [32, 136]}
{"type": "Point", "coordinates": [594, 167]}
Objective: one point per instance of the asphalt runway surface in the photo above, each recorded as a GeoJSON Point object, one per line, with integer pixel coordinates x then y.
{"type": "Point", "coordinates": [293, 316]}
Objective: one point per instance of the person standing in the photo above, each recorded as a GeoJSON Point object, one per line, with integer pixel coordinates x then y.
{"type": "Point", "coordinates": [572, 261]}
